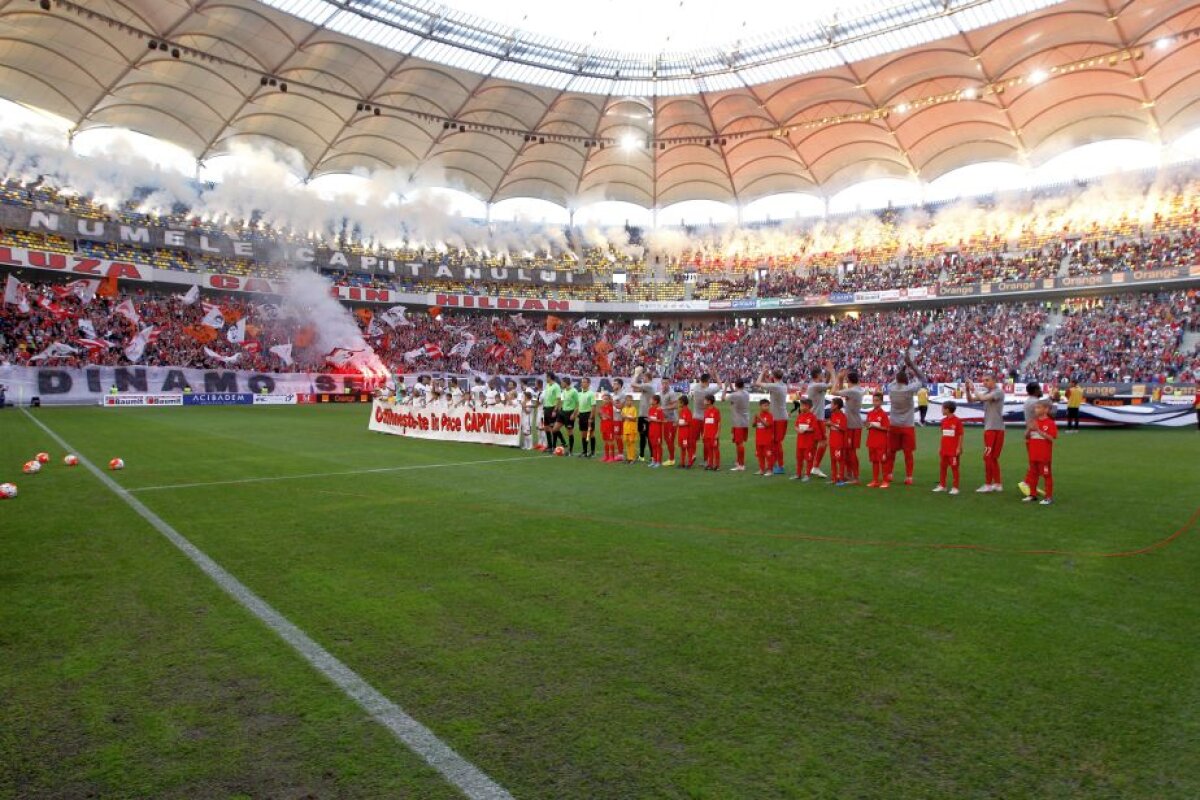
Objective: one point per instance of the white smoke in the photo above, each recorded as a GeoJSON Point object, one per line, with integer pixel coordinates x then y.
{"type": "Point", "coordinates": [309, 300]}
{"type": "Point", "coordinates": [388, 209]}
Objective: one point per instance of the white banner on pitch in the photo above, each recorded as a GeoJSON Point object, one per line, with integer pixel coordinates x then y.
{"type": "Point", "coordinates": [489, 425]}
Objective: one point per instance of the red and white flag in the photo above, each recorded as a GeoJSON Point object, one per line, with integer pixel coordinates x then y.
{"type": "Point", "coordinates": [55, 350]}
{"type": "Point", "coordinates": [59, 313]}
{"type": "Point", "coordinates": [94, 345]}
{"type": "Point", "coordinates": [127, 310]}
{"type": "Point", "coordinates": [17, 294]}
{"type": "Point", "coordinates": [83, 289]}
{"type": "Point", "coordinates": [434, 350]}
{"type": "Point", "coordinates": [341, 356]}
{"type": "Point", "coordinates": [137, 345]}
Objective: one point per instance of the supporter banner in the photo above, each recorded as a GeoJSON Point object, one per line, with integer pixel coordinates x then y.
{"type": "Point", "coordinates": [504, 303]}
{"type": "Point", "coordinates": [75, 265]}
{"type": "Point", "coordinates": [91, 385]}
{"type": "Point", "coordinates": [841, 297]}
{"type": "Point", "coordinates": [717, 305]}
{"type": "Point", "coordinates": [268, 250]}
{"type": "Point", "coordinates": [142, 400]}
{"type": "Point", "coordinates": [494, 425]}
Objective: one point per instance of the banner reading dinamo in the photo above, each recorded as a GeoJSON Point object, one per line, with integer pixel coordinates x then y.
{"type": "Point", "coordinates": [491, 425]}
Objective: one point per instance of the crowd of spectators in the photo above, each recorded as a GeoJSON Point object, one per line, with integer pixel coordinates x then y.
{"type": "Point", "coordinates": [446, 340]}
{"type": "Point", "coordinates": [1118, 338]}
{"type": "Point", "coordinates": [1126, 338]}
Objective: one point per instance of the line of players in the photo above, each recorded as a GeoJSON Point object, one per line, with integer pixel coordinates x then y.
{"type": "Point", "coordinates": [676, 424]}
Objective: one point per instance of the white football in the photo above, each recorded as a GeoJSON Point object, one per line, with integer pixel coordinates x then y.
{"type": "Point", "coordinates": [7, 490]}
{"type": "Point", "coordinates": [31, 467]}
{"type": "Point", "coordinates": [70, 460]}
{"type": "Point", "coordinates": [116, 463]}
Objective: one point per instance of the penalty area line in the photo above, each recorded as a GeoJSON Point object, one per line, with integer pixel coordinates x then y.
{"type": "Point", "coordinates": [459, 772]}
{"type": "Point", "coordinates": [370, 471]}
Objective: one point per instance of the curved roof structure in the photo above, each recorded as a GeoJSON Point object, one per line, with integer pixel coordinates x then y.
{"type": "Point", "coordinates": [353, 83]}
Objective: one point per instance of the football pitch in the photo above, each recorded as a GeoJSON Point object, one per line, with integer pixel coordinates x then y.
{"type": "Point", "coordinates": [584, 630]}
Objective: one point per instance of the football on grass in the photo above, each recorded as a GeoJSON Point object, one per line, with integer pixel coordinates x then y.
{"type": "Point", "coordinates": [116, 463]}
{"type": "Point", "coordinates": [31, 467]}
{"type": "Point", "coordinates": [7, 490]}
{"type": "Point", "coordinates": [43, 458]}
{"type": "Point", "coordinates": [558, 451]}
{"type": "Point", "coordinates": [70, 460]}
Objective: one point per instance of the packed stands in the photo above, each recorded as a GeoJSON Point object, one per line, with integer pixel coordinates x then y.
{"type": "Point", "coordinates": [1127, 338]}
{"type": "Point", "coordinates": [1118, 338]}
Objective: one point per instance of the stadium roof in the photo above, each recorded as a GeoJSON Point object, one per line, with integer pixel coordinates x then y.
{"type": "Point", "coordinates": [911, 91]}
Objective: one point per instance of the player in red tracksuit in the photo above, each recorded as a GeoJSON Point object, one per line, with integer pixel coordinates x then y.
{"type": "Point", "coordinates": [1041, 435]}
{"type": "Point", "coordinates": [764, 437]}
{"type": "Point", "coordinates": [807, 426]}
{"type": "Point", "coordinates": [687, 443]}
{"type": "Point", "coordinates": [656, 418]}
{"type": "Point", "coordinates": [606, 413]}
{"type": "Point", "coordinates": [712, 430]}
{"type": "Point", "coordinates": [952, 445]}
{"type": "Point", "coordinates": [878, 423]}
{"type": "Point", "coordinates": [836, 432]}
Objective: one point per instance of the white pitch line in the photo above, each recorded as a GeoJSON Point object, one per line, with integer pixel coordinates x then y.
{"type": "Point", "coordinates": [271, 478]}
{"type": "Point", "coordinates": [462, 774]}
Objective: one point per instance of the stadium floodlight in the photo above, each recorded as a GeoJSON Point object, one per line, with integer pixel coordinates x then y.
{"type": "Point", "coordinates": [902, 108]}
{"type": "Point", "coordinates": [1038, 76]}
{"type": "Point", "coordinates": [629, 142]}
{"type": "Point", "coordinates": [1163, 43]}
{"type": "Point", "coordinates": [969, 93]}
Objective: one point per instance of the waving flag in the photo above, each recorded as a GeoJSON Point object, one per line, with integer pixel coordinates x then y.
{"type": "Point", "coordinates": [94, 345]}
{"type": "Point", "coordinates": [413, 355]}
{"type": "Point", "coordinates": [223, 359]}
{"type": "Point", "coordinates": [394, 317]}
{"type": "Point", "coordinates": [55, 350]}
{"type": "Point", "coordinates": [88, 328]}
{"type": "Point", "coordinates": [341, 356]}
{"type": "Point", "coordinates": [434, 350]}
{"type": "Point", "coordinates": [213, 318]}
{"type": "Point", "coordinates": [83, 289]}
{"type": "Point", "coordinates": [127, 311]}
{"type": "Point", "coordinates": [201, 333]}
{"type": "Point", "coordinates": [137, 345]}
{"type": "Point", "coordinates": [625, 342]}
{"type": "Point", "coordinates": [496, 351]}
{"type": "Point", "coordinates": [463, 348]}
{"type": "Point", "coordinates": [192, 295]}
{"type": "Point", "coordinates": [547, 338]}
{"type": "Point", "coordinates": [558, 351]}
{"type": "Point", "coordinates": [236, 333]}
{"type": "Point", "coordinates": [17, 294]}
{"type": "Point", "coordinates": [553, 323]}
{"type": "Point", "coordinates": [576, 345]}
{"type": "Point", "coordinates": [283, 352]}
{"type": "Point", "coordinates": [58, 312]}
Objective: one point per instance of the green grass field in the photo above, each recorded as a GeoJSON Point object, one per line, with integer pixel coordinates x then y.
{"type": "Point", "coordinates": [582, 630]}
